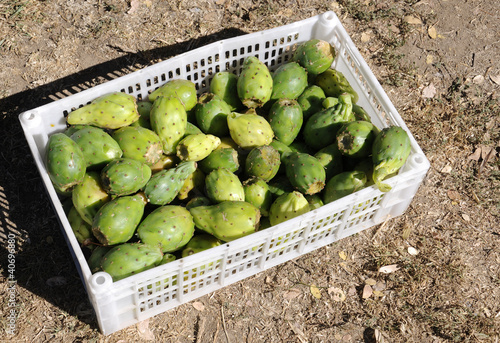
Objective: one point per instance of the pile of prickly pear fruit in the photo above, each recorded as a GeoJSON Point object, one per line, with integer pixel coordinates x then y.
{"type": "Point", "coordinates": [152, 180]}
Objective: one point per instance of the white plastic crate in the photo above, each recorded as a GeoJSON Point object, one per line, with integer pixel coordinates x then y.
{"type": "Point", "coordinates": [136, 298]}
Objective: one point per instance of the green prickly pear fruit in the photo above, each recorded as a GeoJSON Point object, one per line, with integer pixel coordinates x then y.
{"type": "Point", "coordinates": [117, 220]}
{"type": "Point", "coordinates": [321, 128]}
{"type": "Point", "coordinates": [165, 185]}
{"type": "Point", "coordinates": [280, 185]}
{"type": "Point", "coordinates": [139, 143]}
{"type": "Point", "coordinates": [330, 102]}
{"type": "Point", "coordinates": [167, 258]}
{"type": "Point", "coordinates": [89, 196]}
{"type": "Point", "coordinates": [197, 147]}
{"type": "Point", "coordinates": [211, 114]}
{"type": "Point", "coordinates": [355, 138]}
{"type": "Point", "coordinates": [73, 128]}
{"type": "Point", "coordinates": [304, 172]}
{"type": "Point", "coordinates": [97, 145]}
{"type": "Point", "coordinates": [169, 121]}
{"type": "Point", "coordinates": [255, 83]}
{"type": "Point", "coordinates": [95, 258]}
{"type": "Point", "coordinates": [331, 159]}
{"type": "Point", "coordinates": [128, 259]}
{"type": "Point", "coordinates": [194, 182]}
{"type": "Point", "coordinates": [258, 194]}
{"type": "Point", "coordinates": [314, 201]}
{"type": "Point", "coordinates": [224, 84]}
{"type": "Point", "coordinates": [280, 146]}
{"type": "Point", "coordinates": [287, 206]}
{"type": "Point", "coordinates": [200, 243]}
{"type": "Point", "coordinates": [124, 176]}
{"type": "Point", "coordinates": [65, 162]}
{"type": "Point", "coordinates": [263, 162]}
{"type": "Point", "coordinates": [315, 55]}
{"type": "Point", "coordinates": [144, 109]}
{"type": "Point", "coordinates": [390, 150]}
{"type": "Point", "coordinates": [285, 118]}
{"type": "Point", "coordinates": [227, 142]}
{"type": "Point", "coordinates": [220, 158]}
{"type": "Point", "coordinates": [360, 113]}
{"type": "Point", "coordinates": [300, 146]}
{"type": "Point", "coordinates": [182, 89]}
{"type": "Point", "coordinates": [228, 220]}
{"type": "Point", "coordinates": [81, 229]}
{"type": "Point", "coordinates": [192, 129]}
{"type": "Point", "coordinates": [109, 111]}
{"type": "Point", "coordinates": [311, 101]}
{"type": "Point", "coordinates": [334, 83]}
{"type": "Point", "coordinates": [343, 184]}
{"type": "Point", "coordinates": [223, 185]}
{"type": "Point", "coordinates": [198, 201]}
{"type": "Point", "coordinates": [366, 165]}
{"type": "Point", "coordinates": [165, 162]}
{"type": "Point", "coordinates": [289, 81]}
{"type": "Point", "coordinates": [170, 227]}
{"type": "Point", "coordinates": [249, 130]}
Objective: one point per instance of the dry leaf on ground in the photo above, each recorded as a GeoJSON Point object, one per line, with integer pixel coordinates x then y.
{"type": "Point", "coordinates": [198, 305]}
{"type": "Point", "coordinates": [370, 282]}
{"type": "Point", "coordinates": [476, 155]}
{"type": "Point", "coordinates": [388, 269]}
{"type": "Point", "coordinates": [432, 32]}
{"type": "Point", "coordinates": [429, 91]}
{"type": "Point", "coordinates": [315, 292]}
{"type": "Point", "coordinates": [412, 20]}
{"type": "Point", "coordinates": [367, 292]}
{"type": "Point", "coordinates": [343, 255]}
